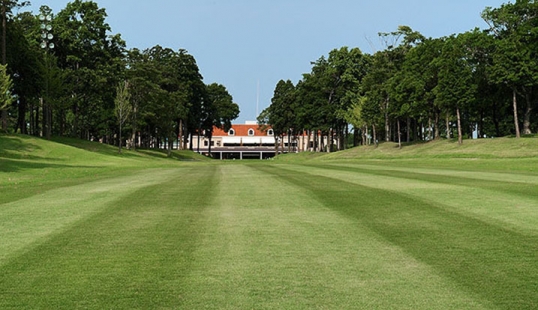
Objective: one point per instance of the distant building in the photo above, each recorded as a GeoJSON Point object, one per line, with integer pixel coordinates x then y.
{"type": "Point", "coordinates": [248, 141]}
{"type": "Point", "coordinates": [241, 141]}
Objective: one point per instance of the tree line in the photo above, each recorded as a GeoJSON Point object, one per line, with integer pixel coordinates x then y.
{"type": "Point", "coordinates": [67, 74]}
{"type": "Point", "coordinates": [481, 82]}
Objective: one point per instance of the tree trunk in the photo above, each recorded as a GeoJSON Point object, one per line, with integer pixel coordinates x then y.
{"type": "Point", "coordinates": [301, 138]}
{"type": "Point", "coordinates": [306, 140]}
{"type": "Point", "coordinates": [375, 134]}
{"type": "Point", "coordinates": [399, 135]}
{"type": "Point", "coordinates": [209, 145]}
{"type": "Point", "coordinates": [132, 143]}
{"type": "Point", "coordinates": [430, 137]}
{"type": "Point", "coordinates": [447, 126]}
{"type": "Point", "coordinates": [516, 120]}
{"type": "Point", "coordinates": [119, 140]}
{"type": "Point", "coordinates": [134, 123]}
{"type": "Point", "coordinates": [317, 145]}
{"type": "Point", "coordinates": [198, 137]}
{"type": "Point", "coordinates": [169, 147]}
{"type": "Point", "coordinates": [355, 136]}
{"type": "Point", "coordinates": [75, 119]}
{"type": "Point", "coordinates": [460, 136]}
{"type": "Point", "coordinates": [330, 140]}
{"type": "Point", "coordinates": [49, 121]}
{"type": "Point", "coordinates": [408, 130]}
{"type": "Point", "coordinates": [496, 121]}
{"type": "Point", "coordinates": [191, 144]}
{"type": "Point", "coordinates": [387, 123]}
{"type": "Point", "coordinates": [289, 141]}
{"type": "Point", "coordinates": [436, 126]}
{"type": "Point", "coordinates": [415, 131]}
{"type": "Point", "coordinates": [37, 129]}
{"type": "Point", "coordinates": [180, 135]}
{"type": "Point", "coordinates": [21, 122]}
{"type": "Point", "coordinates": [314, 141]}
{"type": "Point", "coordinates": [32, 125]}
{"type": "Point", "coordinates": [61, 120]}
{"type": "Point", "coordinates": [43, 119]}
{"type": "Point", "coordinates": [321, 141]}
{"type": "Point", "coordinates": [480, 126]}
{"type": "Point", "coordinates": [527, 116]}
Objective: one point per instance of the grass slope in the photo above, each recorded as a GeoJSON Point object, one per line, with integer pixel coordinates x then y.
{"type": "Point", "coordinates": [478, 148]}
{"type": "Point", "coordinates": [30, 165]}
{"type": "Point", "coordinates": [82, 227]}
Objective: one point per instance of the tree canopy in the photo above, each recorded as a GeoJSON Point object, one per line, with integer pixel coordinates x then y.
{"type": "Point", "coordinates": [481, 83]}
{"type": "Point", "coordinates": [70, 87]}
{"type": "Point", "coordinates": [420, 89]}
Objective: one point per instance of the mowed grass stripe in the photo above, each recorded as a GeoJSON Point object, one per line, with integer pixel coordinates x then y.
{"type": "Point", "coordinates": [28, 222]}
{"type": "Point", "coordinates": [484, 259]}
{"type": "Point", "coordinates": [502, 201]}
{"type": "Point", "coordinates": [134, 253]}
{"type": "Point", "coordinates": [30, 178]}
{"type": "Point", "coordinates": [514, 183]}
{"type": "Point", "coordinates": [493, 169]}
{"type": "Point", "coordinates": [272, 244]}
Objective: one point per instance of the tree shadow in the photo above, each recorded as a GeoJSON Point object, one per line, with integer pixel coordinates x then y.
{"type": "Point", "coordinates": [18, 147]}
{"type": "Point", "coordinates": [13, 165]}
{"type": "Point", "coordinates": [96, 147]}
{"type": "Point", "coordinates": [110, 150]}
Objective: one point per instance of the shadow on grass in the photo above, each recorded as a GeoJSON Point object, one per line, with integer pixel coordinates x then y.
{"type": "Point", "coordinates": [18, 147]}
{"type": "Point", "coordinates": [10, 165]}
{"type": "Point", "coordinates": [183, 155]}
{"type": "Point", "coordinates": [94, 147]}
{"type": "Point", "coordinates": [110, 150]}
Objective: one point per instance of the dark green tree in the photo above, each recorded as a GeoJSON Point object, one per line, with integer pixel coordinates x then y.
{"type": "Point", "coordinates": [280, 114]}
{"type": "Point", "coordinates": [123, 108]}
{"type": "Point", "coordinates": [412, 87]}
{"type": "Point", "coordinates": [220, 108]}
{"type": "Point", "coordinates": [94, 62]}
{"type": "Point", "coordinates": [456, 89]}
{"type": "Point", "coordinates": [515, 63]}
{"type": "Point", "coordinates": [24, 58]}
{"type": "Point", "coordinates": [10, 35]}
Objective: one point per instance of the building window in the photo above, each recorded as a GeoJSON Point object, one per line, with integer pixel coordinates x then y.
{"type": "Point", "coordinates": [231, 132]}
{"type": "Point", "coordinates": [270, 132]}
{"type": "Point", "coordinates": [206, 143]}
{"type": "Point", "coordinates": [251, 132]}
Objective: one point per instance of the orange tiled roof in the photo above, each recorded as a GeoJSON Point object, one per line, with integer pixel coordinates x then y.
{"type": "Point", "coordinates": [241, 131]}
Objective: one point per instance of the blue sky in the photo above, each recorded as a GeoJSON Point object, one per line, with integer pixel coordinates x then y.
{"type": "Point", "coordinates": [240, 43]}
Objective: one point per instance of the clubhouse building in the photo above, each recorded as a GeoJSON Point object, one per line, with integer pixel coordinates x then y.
{"type": "Point", "coordinates": [247, 141]}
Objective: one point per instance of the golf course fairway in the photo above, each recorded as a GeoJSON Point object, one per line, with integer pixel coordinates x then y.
{"type": "Point", "coordinates": [84, 228]}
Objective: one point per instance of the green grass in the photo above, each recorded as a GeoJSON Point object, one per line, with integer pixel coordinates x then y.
{"type": "Point", "coordinates": [418, 228]}
{"type": "Point", "coordinates": [480, 148]}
